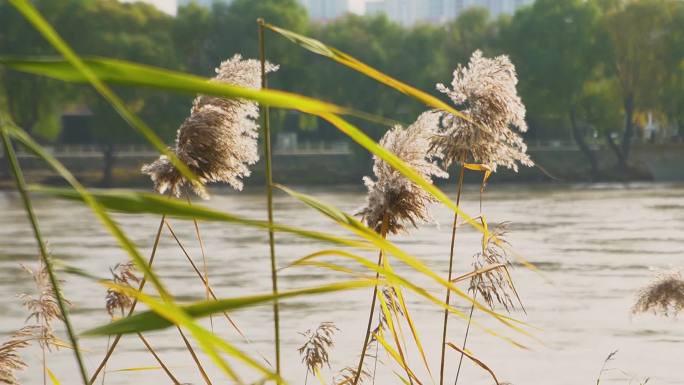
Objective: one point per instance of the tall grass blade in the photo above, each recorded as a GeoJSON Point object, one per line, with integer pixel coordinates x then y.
{"type": "Point", "coordinates": [322, 49]}
{"type": "Point", "coordinates": [475, 360]}
{"type": "Point", "coordinates": [150, 320]}
{"type": "Point", "coordinates": [41, 25]}
{"type": "Point", "coordinates": [28, 207]}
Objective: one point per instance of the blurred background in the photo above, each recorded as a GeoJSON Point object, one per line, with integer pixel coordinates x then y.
{"type": "Point", "coordinates": [603, 80]}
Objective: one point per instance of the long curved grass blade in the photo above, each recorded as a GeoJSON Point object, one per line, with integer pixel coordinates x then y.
{"type": "Point", "coordinates": [203, 338]}
{"type": "Point", "coordinates": [53, 378]}
{"type": "Point", "coordinates": [475, 360]}
{"type": "Point", "coordinates": [396, 279]}
{"type": "Point", "coordinates": [390, 315]}
{"type": "Point", "coordinates": [139, 75]}
{"type": "Point", "coordinates": [150, 320]}
{"type": "Point", "coordinates": [352, 224]}
{"type": "Point", "coordinates": [41, 25]}
{"type": "Point", "coordinates": [322, 49]}
{"type": "Point", "coordinates": [394, 354]}
{"type": "Point", "coordinates": [147, 203]}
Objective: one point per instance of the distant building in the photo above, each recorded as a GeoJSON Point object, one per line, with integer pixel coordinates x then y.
{"type": "Point", "coordinates": [206, 3]}
{"type": "Point", "coordinates": [324, 10]}
{"type": "Point", "coordinates": [409, 12]}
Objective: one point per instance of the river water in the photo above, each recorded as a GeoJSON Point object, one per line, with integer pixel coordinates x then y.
{"type": "Point", "coordinates": [595, 246]}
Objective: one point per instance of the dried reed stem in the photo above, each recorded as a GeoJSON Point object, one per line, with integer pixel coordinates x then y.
{"type": "Point", "coordinates": [204, 260]}
{"type": "Point", "coordinates": [156, 357]}
{"type": "Point", "coordinates": [54, 282]}
{"type": "Point", "coordinates": [451, 265]}
{"type": "Point", "coordinates": [383, 232]}
{"type": "Point", "coordinates": [194, 356]}
{"type": "Point", "coordinates": [110, 351]}
{"type": "Point", "coordinates": [269, 195]}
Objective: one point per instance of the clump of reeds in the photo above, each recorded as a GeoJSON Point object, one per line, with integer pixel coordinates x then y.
{"type": "Point", "coordinates": [122, 274]}
{"type": "Point", "coordinates": [391, 194]}
{"type": "Point", "coordinates": [218, 141]}
{"type": "Point", "coordinates": [493, 282]}
{"type": "Point", "coordinates": [315, 351]}
{"type": "Point", "coordinates": [485, 92]}
{"type": "Point", "coordinates": [43, 308]}
{"type": "Point", "coordinates": [10, 360]}
{"type": "Point", "coordinates": [664, 296]}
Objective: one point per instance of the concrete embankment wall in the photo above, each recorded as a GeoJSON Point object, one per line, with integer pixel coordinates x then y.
{"type": "Point", "coordinates": [566, 164]}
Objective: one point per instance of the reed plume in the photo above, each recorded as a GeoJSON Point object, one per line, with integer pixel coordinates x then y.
{"type": "Point", "coordinates": [493, 285]}
{"type": "Point", "coordinates": [664, 296]}
{"type": "Point", "coordinates": [391, 193]}
{"type": "Point", "coordinates": [315, 351]}
{"type": "Point", "coordinates": [43, 307]}
{"type": "Point", "coordinates": [350, 375]}
{"type": "Point", "coordinates": [485, 91]}
{"type": "Point", "coordinates": [10, 361]}
{"type": "Point", "coordinates": [218, 141]}
{"type": "Point", "coordinates": [122, 274]}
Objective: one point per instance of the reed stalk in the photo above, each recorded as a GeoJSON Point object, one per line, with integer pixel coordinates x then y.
{"type": "Point", "coordinates": [156, 357]}
{"type": "Point", "coordinates": [110, 351]}
{"type": "Point", "coordinates": [204, 260]}
{"type": "Point", "coordinates": [194, 356]}
{"type": "Point", "coordinates": [383, 233]}
{"type": "Point", "coordinates": [472, 305]}
{"type": "Point", "coordinates": [459, 189]}
{"type": "Point", "coordinates": [269, 194]}
{"type": "Point", "coordinates": [54, 282]}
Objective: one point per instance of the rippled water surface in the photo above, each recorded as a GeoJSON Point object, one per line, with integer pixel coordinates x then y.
{"type": "Point", "coordinates": [594, 245]}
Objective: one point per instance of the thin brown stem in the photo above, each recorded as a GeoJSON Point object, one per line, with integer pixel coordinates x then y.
{"type": "Point", "coordinates": [451, 266]}
{"type": "Point", "coordinates": [156, 357]}
{"type": "Point", "coordinates": [269, 195]}
{"type": "Point", "coordinates": [194, 357]}
{"type": "Point", "coordinates": [204, 260]}
{"type": "Point", "coordinates": [44, 366]}
{"type": "Point", "coordinates": [383, 233]}
{"type": "Point", "coordinates": [110, 351]}
{"type": "Point", "coordinates": [472, 305]}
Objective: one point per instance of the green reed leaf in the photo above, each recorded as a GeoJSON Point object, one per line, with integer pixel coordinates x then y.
{"type": "Point", "coordinates": [150, 320]}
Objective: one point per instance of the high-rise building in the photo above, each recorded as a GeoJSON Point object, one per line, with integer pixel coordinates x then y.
{"type": "Point", "coordinates": [408, 12]}
{"type": "Point", "coordinates": [206, 3]}
{"type": "Point", "coordinates": [324, 10]}
{"type": "Point", "coordinates": [166, 6]}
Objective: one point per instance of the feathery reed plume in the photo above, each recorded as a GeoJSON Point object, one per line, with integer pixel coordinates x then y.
{"type": "Point", "coordinates": [392, 193]}
{"type": "Point", "coordinates": [218, 141]}
{"type": "Point", "coordinates": [314, 352]}
{"type": "Point", "coordinates": [485, 91]}
{"type": "Point", "coordinates": [10, 361]}
{"type": "Point", "coordinates": [390, 294]}
{"type": "Point", "coordinates": [122, 274]}
{"type": "Point", "coordinates": [348, 375]}
{"type": "Point", "coordinates": [493, 285]}
{"type": "Point", "coordinates": [664, 296]}
{"type": "Point", "coordinates": [43, 307]}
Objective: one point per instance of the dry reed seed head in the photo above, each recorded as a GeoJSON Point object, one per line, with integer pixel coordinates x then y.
{"type": "Point", "coordinates": [389, 293]}
{"type": "Point", "coordinates": [664, 296]}
{"type": "Point", "coordinates": [122, 274]}
{"type": "Point", "coordinates": [10, 361]}
{"type": "Point", "coordinates": [218, 141]}
{"type": "Point", "coordinates": [484, 91]}
{"type": "Point", "coordinates": [348, 375]}
{"type": "Point", "coordinates": [315, 351]}
{"type": "Point", "coordinates": [43, 307]}
{"type": "Point", "coordinates": [391, 192]}
{"type": "Point", "coordinates": [494, 286]}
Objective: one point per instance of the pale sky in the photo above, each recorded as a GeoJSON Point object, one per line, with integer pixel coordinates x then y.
{"type": "Point", "coordinates": [168, 6]}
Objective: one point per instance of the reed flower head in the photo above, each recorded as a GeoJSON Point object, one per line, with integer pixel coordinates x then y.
{"type": "Point", "coordinates": [347, 376]}
{"type": "Point", "coordinates": [43, 307]}
{"type": "Point", "coordinates": [392, 194]}
{"type": "Point", "coordinates": [314, 352]}
{"type": "Point", "coordinates": [218, 141]}
{"type": "Point", "coordinates": [484, 91]}
{"type": "Point", "coordinates": [664, 296]}
{"type": "Point", "coordinates": [494, 283]}
{"type": "Point", "coordinates": [10, 361]}
{"type": "Point", "coordinates": [122, 274]}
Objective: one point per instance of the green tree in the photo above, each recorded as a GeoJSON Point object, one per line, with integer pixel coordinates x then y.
{"type": "Point", "coordinates": [554, 46]}
{"type": "Point", "coordinates": [637, 31]}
